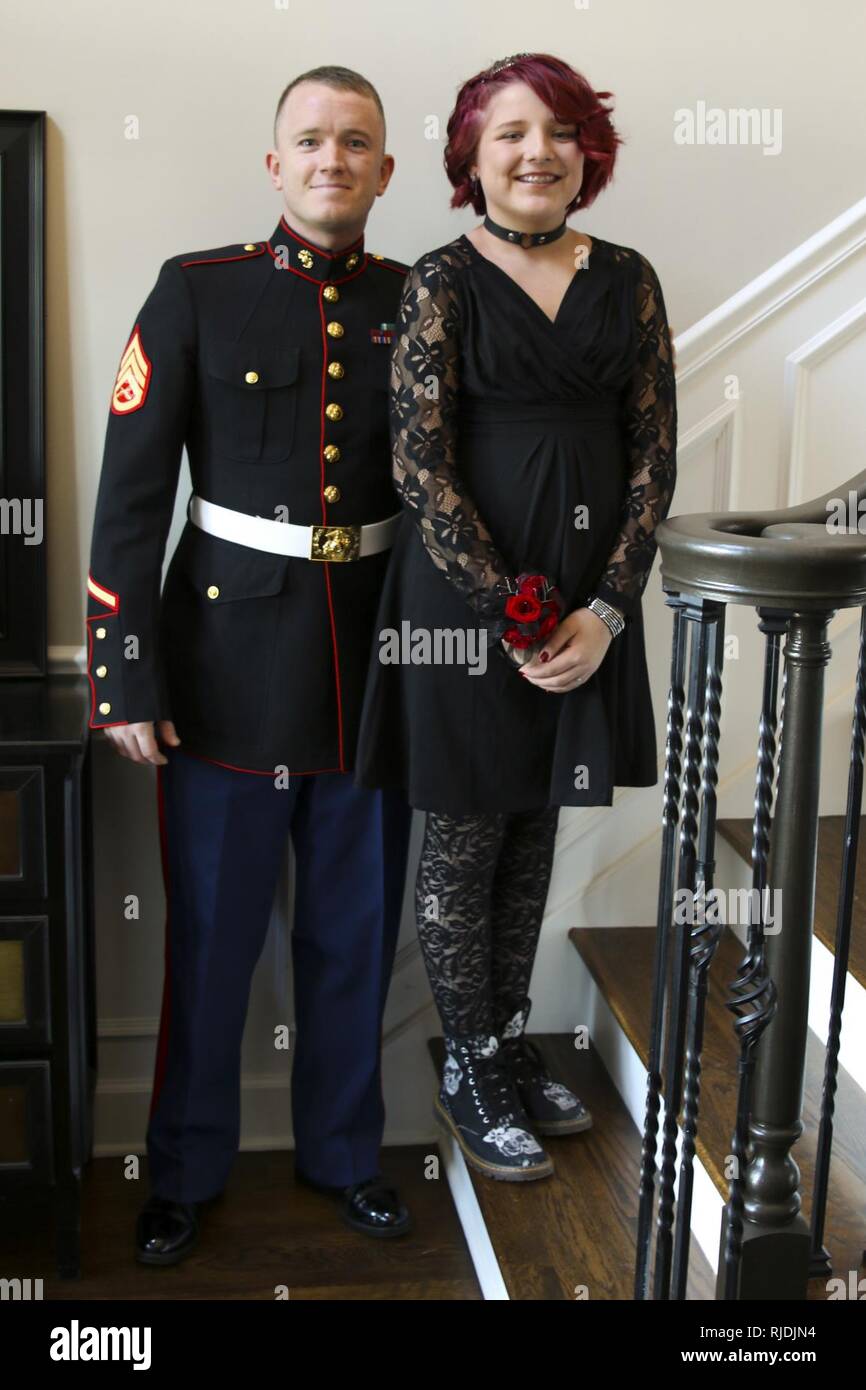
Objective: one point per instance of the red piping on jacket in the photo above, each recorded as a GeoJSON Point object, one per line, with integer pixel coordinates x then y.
{"type": "Point", "coordinates": [165, 1012]}
{"type": "Point", "coordinates": [312, 279]}
{"type": "Point", "coordinates": [115, 723]}
{"type": "Point", "coordinates": [331, 255]}
{"type": "Point", "coordinates": [326, 567]}
{"type": "Point", "coordinates": [262, 771]}
{"type": "Point", "coordinates": [380, 260]}
{"type": "Point", "coordinates": [218, 260]}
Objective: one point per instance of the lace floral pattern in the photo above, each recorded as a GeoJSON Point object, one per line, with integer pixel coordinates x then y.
{"type": "Point", "coordinates": [649, 416]}
{"type": "Point", "coordinates": [480, 893]}
{"type": "Point", "coordinates": [424, 404]}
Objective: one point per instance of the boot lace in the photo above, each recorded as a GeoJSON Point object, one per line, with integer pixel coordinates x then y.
{"type": "Point", "coordinates": [493, 1088]}
{"type": "Point", "coordinates": [525, 1059]}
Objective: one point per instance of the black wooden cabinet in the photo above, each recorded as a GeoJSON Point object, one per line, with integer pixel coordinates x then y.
{"type": "Point", "coordinates": [47, 985]}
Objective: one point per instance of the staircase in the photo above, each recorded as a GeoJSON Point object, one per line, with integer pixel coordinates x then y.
{"type": "Point", "coordinates": [573, 1236]}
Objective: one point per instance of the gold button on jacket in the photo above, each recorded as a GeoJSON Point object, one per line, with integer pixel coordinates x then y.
{"type": "Point", "coordinates": [265, 364]}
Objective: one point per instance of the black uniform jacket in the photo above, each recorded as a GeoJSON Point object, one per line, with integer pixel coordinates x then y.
{"type": "Point", "coordinates": [270, 362]}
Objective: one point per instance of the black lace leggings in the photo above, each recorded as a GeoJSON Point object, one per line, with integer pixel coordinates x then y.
{"type": "Point", "coordinates": [479, 897]}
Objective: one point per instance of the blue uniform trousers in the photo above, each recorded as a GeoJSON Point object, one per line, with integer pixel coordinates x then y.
{"type": "Point", "coordinates": [223, 833]}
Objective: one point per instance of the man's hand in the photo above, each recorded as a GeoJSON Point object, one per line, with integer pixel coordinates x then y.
{"type": "Point", "coordinates": [138, 743]}
{"type": "Point", "coordinates": [575, 650]}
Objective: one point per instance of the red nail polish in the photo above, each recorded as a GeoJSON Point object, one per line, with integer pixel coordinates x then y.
{"type": "Point", "coordinates": [545, 656]}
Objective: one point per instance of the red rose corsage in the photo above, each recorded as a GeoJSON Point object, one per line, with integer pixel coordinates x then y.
{"type": "Point", "coordinates": [534, 605]}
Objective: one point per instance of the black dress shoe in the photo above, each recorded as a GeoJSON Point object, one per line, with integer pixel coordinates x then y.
{"type": "Point", "coordinates": [166, 1231]}
{"type": "Point", "coordinates": [368, 1206]}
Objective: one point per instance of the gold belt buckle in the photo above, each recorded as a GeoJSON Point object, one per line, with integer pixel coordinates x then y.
{"type": "Point", "coordinates": [335, 543]}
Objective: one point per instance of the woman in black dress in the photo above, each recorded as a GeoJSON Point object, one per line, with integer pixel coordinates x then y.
{"type": "Point", "coordinates": [533, 424]}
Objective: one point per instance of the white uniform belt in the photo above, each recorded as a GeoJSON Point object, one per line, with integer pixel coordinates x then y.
{"type": "Point", "coordinates": [285, 538]}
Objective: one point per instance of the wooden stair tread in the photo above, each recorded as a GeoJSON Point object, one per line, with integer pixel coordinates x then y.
{"type": "Point", "coordinates": [738, 833]}
{"type": "Point", "coordinates": [578, 1227]}
{"type": "Point", "coordinates": [620, 960]}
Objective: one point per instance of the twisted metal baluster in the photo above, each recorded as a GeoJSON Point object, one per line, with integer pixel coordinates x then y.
{"type": "Point", "coordinates": [749, 1026]}
{"type": "Point", "coordinates": [773, 623]}
{"type": "Point", "coordinates": [701, 613]}
{"type": "Point", "coordinates": [706, 864]}
{"type": "Point", "coordinates": [670, 818]}
{"type": "Point", "coordinates": [704, 941]}
{"type": "Point", "coordinates": [752, 984]}
{"type": "Point", "coordinates": [819, 1259]}
{"type": "Point", "coordinates": [781, 730]}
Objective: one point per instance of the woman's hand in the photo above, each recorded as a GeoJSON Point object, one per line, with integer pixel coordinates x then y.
{"type": "Point", "coordinates": [574, 651]}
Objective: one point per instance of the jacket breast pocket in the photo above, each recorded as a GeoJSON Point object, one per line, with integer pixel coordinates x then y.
{"type": "Point", "coordinates": [252, 394]}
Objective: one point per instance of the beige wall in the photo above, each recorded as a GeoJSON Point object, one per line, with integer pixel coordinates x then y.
{"type": "Point", "coordinates": [202, 79]}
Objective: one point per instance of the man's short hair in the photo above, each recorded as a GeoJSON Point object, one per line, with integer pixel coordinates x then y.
{"type": "Point", "coordinates": [345, 79]}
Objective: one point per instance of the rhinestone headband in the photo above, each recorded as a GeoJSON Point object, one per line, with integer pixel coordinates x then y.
{"type": "Point", "coordinates": [503, 63]}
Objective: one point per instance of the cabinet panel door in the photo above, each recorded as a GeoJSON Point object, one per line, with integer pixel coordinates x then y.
{"type": "Point", "coordinates": [25, 1016]}
{"type": "Point", "coordinates": [22, 833]}
{"type": "Point", "coordinates": [26, 1135]}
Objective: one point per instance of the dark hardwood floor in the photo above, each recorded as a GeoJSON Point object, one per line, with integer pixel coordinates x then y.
{"type": "Point", "coordinates": [265, 1232]}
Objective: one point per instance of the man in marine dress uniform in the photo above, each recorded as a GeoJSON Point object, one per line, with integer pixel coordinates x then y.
{"type": "Point", "coordinates": [269, 360]}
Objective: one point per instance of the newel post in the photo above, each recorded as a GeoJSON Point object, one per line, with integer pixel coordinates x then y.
{"type": "Point", "coordinates": [774, 1261]}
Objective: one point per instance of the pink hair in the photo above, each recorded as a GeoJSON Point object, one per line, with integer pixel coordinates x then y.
{"type": "Point", "coordinates": [569, 96]}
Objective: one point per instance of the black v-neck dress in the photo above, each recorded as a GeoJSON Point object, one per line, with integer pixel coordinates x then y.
{"type": "Point", "coordinates": [519, 444]}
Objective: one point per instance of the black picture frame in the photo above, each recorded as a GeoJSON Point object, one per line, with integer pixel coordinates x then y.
{"type": "Point", "coordinates": [23, 577]}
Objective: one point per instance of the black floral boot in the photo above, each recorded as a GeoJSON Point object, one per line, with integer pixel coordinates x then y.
{"type": "Point", "coordinates": [550, 1107]}
{"type": "Point", "coordinates": [478, 1105]}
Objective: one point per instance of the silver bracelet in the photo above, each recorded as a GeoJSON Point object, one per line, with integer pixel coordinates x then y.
{"type": "Point", "coordinates": [608, 614]}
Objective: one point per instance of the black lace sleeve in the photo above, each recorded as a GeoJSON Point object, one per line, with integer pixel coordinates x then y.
{"type": "Point", "coordinates": [649, 415]}
{"type": "Point", "coordinates": [423, 411]}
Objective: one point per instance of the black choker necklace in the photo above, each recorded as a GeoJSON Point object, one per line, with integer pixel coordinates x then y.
{"type": "Point", "coordinates": [524, 239]}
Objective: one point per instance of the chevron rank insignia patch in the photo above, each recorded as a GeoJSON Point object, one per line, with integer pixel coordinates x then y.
{"type": "Point", "coordinates": [133, 377]}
